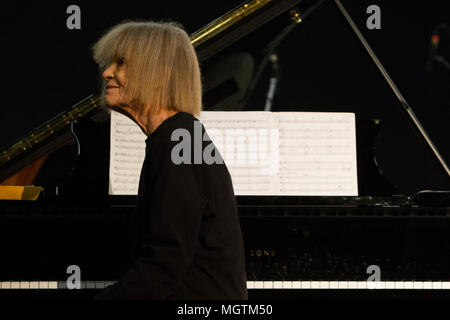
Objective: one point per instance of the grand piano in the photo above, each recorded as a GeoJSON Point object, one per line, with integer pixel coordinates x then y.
{"type": "Point", "coordinates": [296, 247]}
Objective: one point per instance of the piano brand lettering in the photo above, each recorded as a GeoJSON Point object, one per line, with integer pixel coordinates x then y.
{"type": "Point", "coordinates": [74, 20]}
{"type": "Point", "coordinates": [74, 280]}
{"type": "Point", "coordinates": [374, 20]}
{"type": "Point", "coordinates": [262, 253]}
{"type": "Point", "coordinates": [253, 147]}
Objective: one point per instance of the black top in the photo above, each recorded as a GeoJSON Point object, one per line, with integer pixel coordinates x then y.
{"type": "Point", "coordinates": [188, 239]}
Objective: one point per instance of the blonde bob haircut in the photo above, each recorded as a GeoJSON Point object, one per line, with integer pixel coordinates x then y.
{"type": "Point", "coordinates": [162, 68]}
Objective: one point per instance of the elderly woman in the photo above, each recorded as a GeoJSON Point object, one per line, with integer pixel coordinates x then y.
{"type": "Point", "coordinates": [188, 242]}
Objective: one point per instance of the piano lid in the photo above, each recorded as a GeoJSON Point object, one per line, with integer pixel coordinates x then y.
{"type": "Point", "coordinates": [208, 41]}
{"type": "Point", "coordinates": [232, 50]}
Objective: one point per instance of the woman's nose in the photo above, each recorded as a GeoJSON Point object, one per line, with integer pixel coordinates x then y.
{"type": "Point", "coordinates": [109, 72]}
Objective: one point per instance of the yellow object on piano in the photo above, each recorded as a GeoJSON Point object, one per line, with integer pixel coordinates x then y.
{"type": "Point", "coordinates": [20, 192]}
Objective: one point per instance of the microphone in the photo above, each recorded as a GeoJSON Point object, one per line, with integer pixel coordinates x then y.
{"type": "Point", "coordinates": [274, 78]}
{"type": "Point", "coordinates": [434, 45]}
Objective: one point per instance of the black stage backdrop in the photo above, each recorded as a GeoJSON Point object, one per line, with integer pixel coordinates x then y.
{"type": "Point", "coordinates": [46, 68]}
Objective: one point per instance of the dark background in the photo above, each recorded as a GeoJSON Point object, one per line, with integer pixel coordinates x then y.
{"type": "Point", "coordinates": [46, 68]}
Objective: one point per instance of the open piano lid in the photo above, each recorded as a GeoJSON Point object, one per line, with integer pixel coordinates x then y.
{"type": "Point", "coordinates": [63, 156]}
{"type": "Point", "coordinates": [208, 41]}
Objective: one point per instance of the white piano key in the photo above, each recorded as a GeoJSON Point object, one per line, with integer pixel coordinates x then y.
{"type": "Point", "coordinates": [445, 285]}
{"type": "Point", "coordinates": [250, 285]}
{"type": "Point", "coordinates": [437, 285]}
{"type": "Point", "coordinates": [43, 284]}
{"type": "Point", "coordinates": [268, 284]}
{"type": "Point", "coordinates": [343, 284]}
{"type": "Point", "coordinates": [352, 285]}
{"type": "Point", "coordinates": [53, 284]}
{"type": "Point", "coordinates": [287, 284]}
{"type": "Point", "coordinates": [278, 284]}
{"type": "Point", "coordinates": [362, 284]}
{"type": "Point", "coordinates": [418, 285]}
{"type": "Point", "coordinates": [305, 284]}
{"type": "Point", "coordinates": [259, 285]}
{"type": "Point", "coordinates": [371, 285]}
{"type": "Point", "coordinates": [399, 285]}
{"type": "Point", "coordinates": [324, 285]}
{"type": "Point", "coordinates": [334, 284]}
{"type": "Point", "coordinates": [15, 284]}
{"type": "Point", "coordinates": [427, 285]}
{"type": "Point", "coordinates": [34, 284]}
{"type": "Point", "coordinates": [390, 285]}
{"type": "Point", "coordinates": [315, 284]}
{"type": "Point", "coordinates": [296, 284]}
{"type": "Point", "coordinates": [6, 285]}
{"type": "Point", "coordinates": [24, 285]}
{"type": "Point", "coordinates": [409, 284]}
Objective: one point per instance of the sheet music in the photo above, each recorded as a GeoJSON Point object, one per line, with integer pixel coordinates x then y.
{"type": "Point", "coordinates": [267, 153]}
{"type": "Point", "coordinates": [248, 143]}
{"type": "Point", "coordinates": [127, 154]}
{"type": "Point", "coordinates": [317, 154]}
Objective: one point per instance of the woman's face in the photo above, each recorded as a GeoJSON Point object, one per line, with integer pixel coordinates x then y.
{"type": "Point", "coordinates": [115, 76]}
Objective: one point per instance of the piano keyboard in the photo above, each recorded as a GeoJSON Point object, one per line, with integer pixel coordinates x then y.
{"type": "Point", "coordinates": [314, 285]}
{"type": "Point", "coordinates": [52, 284]}
{"type": "Point", "coordinates": [333, 285]}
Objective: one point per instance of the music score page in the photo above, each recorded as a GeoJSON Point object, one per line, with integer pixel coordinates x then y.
{"type": "Point", "coordinates": [267, 153]}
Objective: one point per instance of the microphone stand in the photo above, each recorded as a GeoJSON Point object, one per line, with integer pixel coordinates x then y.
{"type": "Point", "coordinates": [406, 108]}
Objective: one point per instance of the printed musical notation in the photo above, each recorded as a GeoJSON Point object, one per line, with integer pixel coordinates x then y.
{"type": "Point", "coordinates": [267, 153]}
{"type": "Point", "coordinates": [127, 153]}
{"type": "Point", "coordinates": [317, 154]}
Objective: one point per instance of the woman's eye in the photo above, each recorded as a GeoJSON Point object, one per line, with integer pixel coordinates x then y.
{"type": "Point", "coordinates": [121, 61]}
